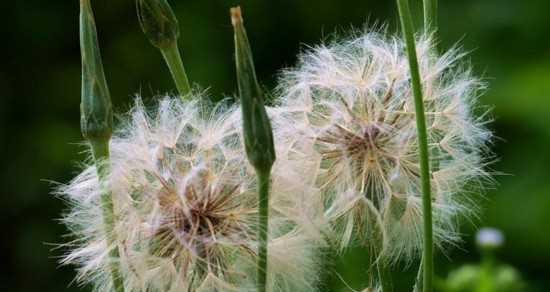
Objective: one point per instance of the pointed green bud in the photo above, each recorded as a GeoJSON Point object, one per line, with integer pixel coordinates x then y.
{"type": "Point", "coordinates": [258, 136]}
{"type": "Point", "coordinates": [158, 22]}
{"type": "Point", "coordinates": [96, 115]}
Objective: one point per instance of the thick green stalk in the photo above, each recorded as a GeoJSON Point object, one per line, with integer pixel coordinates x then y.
{"type": "Point", "coordinates": [257, 134]}
{"type": "Point", "coordinates": [263, 212]}
{"type": "Point", "coordinates": [96, 120]}
{"type": "Point", "coordinates": [408, 32]}
{"type": "Point", "coordinates": [173, 60]}
{"type": "Point", "coordinates": [430, 15]}
{"type": "Point", "coordinates": [100, 150]}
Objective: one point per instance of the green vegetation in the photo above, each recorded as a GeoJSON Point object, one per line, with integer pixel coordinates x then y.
{"type": "Point", "coordinates": [39, 86]}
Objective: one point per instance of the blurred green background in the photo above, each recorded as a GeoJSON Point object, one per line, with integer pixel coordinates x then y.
{"type": "Point", "coordinates": [509, 41]}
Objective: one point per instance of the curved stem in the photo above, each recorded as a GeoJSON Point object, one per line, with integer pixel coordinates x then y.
{"type": "Point", "coordinates": [263, 209]}
{"type": "Point", "coordinates": [100, 151]}
{"type": "Point", "coordinates": [172, 57]}
{"type": "Point", "coordinates": [408, 32]}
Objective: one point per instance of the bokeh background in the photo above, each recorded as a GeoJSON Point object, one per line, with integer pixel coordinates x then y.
{"type": "Point", "coordinates": [509, 46]}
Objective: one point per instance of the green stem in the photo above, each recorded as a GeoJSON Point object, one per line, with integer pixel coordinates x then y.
{"type": "Point", "coordinates": [408, 31]}
{"type": "Point", "coordinates": [430, 15]}
{"type": "Point", "coordinates": [263, 209]}
{"type": "Point", "coordinates": [100, 149]}
{"type": "Point", "coordinates": [172, 57]}
{"type": "Point", "coordinates": [485, 282]}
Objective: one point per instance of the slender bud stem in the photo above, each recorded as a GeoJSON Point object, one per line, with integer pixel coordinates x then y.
{"type": "Point", "coordinates": [485, 282]}
{"type": "Point", "coordinates": [96, 125]}
{"type": "Point", "coordinates": [258, 136]}
{"type": "Point", "coordinates": [160, 26]}
{"type": "Point", "coordinates": [100, 150]}
{"type": "Point", "coordinates": [173, 60]}
{"type": "Point", "coordinates": [263, 210]}
{"type": "Point", "coordinates": [430, 15]}
{"type": "Point", "coordinates": [488, 241]}
{"type": "Point", "coordinates": [408, 32]}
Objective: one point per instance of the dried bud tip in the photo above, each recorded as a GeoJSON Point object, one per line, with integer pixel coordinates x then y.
{"type": "Point", "coordinates": [236, 16]}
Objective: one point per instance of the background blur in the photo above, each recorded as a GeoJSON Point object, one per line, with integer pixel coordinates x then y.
{"type": "Point", "coordinates": [40, 90]}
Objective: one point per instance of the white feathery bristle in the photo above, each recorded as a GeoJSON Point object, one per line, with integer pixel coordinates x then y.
{"type": "Point", "coordinates": [348, 107]}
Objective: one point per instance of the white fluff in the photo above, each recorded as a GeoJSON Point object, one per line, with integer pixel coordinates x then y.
{"type": "Point", "coordinates": [349, 105]}
{"type": "Point", "coordinates": [186, 208]}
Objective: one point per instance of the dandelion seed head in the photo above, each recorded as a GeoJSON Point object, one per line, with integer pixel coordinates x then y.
{"type": "Point", "coordinates": [350, 104]}
{"type": "Point", "coordinates": [185, 201]}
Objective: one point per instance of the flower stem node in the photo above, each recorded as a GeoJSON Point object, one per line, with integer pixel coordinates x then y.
{"type": "Point", "coordinates": [158, 22]}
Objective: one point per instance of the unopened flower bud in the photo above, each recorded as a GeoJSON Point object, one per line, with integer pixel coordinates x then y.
{"type": "Point", "coordinates": [158, 22]}
{"type": "Point", "coordinates": [258, 136]}
{"type": "Point", "coordinates": [96, 118]}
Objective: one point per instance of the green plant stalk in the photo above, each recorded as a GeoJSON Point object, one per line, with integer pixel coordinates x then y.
{"type": "Point", "coordinates": [172, 57]}
{"type": "Point", "coordinates": [408, 32]}
{"type": "Point", "coordinates": [100, 150]}
{"type": "Point", "coordinates": [96, 123]}
{"type": "Point", "coordinates": [430, 15]}
{"type": "Point", "coordinates": [485, 282]}
{"type": "Point", "coordinates": [263, 228]}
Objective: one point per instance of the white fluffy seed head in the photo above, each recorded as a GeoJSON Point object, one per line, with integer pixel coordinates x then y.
{"type": "Point", "coordinates": [186, 208]}
{"type": "Point", "coordinates": [348, 104]}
